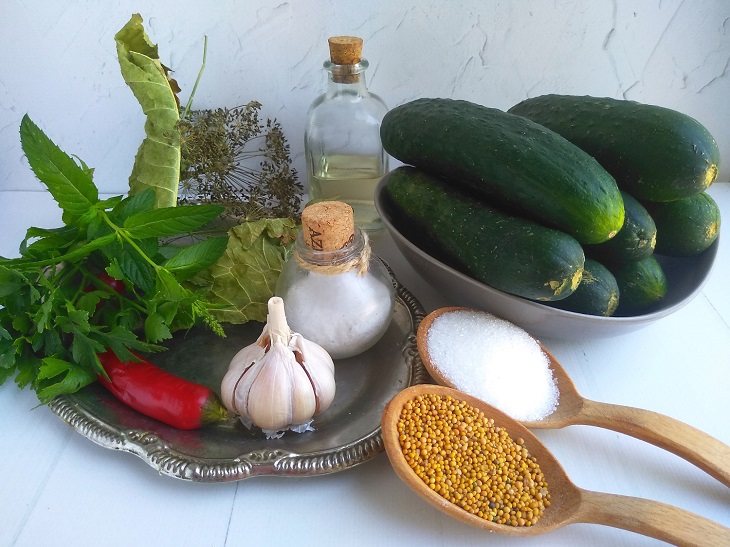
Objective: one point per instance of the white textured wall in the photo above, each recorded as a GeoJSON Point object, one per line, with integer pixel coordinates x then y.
{"type": "Point", "coordinates": [58, 62]}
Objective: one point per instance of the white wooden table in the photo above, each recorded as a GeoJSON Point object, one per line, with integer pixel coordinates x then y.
{"type": "Point", "coordinates": [58, 488]}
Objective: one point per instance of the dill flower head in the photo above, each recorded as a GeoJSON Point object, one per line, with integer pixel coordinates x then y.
{"type": "Point", "coordinates": [229, 157]}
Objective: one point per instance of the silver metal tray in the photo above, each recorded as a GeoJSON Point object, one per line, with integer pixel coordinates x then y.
{"type": "Point", "coordinates": [347, 434]}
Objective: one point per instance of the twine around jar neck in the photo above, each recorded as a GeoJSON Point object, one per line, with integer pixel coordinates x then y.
{"type": "Point", "coordinates": [354, 256]}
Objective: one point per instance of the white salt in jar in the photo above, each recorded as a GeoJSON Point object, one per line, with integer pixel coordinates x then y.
{"type": "Point", "coordinates": [335, 292]}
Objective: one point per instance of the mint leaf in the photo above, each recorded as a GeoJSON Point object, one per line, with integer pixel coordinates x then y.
{"type": "Point", "coordinates": [168, 288]}
{"type": "Point", "coordinates": [134, 267]}
{"type": "Point", "coordinates": [69, 184]}
{"type": "Point", "coordinates": [140, 272]}
{"type": "Point", "coordinates": [169, 310]}
{"type": "Point", "coordinates": [47, 242]}
{"type": "Point", "coordinates": [108, 203]}
{"type": "Point", "coordinates": [72, 256]}
{"type": "Point", "coordinates": [196, 257]}
{"type": "Point", "coordinates": [97, 228]}
{"type": "Point", "coordinates": [170, 221]}
{"type": "Point", "coordinates": [138, 203]}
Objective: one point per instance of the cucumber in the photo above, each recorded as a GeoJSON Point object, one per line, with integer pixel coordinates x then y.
{"type": "Point", "coordinates": [635, 240]}
{"type": "Point", "coordinates": [642, 284]}
{"type": "Point", "coordinates": [687, 226]}
{"type": "Point", "coordinates": [654, 153]}
{"type": "Point", "coordinates": [597, 294]}
{"type": "Point", "coordinates": [509, 253]}
{"type": "Point", "coordinates": [509, 160]}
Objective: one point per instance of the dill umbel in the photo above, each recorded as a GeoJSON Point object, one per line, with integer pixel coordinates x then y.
{"type": "Point", "coordinates": [230, 157]}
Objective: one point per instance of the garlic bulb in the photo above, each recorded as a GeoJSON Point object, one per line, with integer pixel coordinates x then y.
{"type": "Point", "coordinates": [280, 381]}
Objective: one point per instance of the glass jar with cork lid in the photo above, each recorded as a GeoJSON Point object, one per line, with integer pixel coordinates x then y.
{"type": "Point", "coordinates": [344, 155]}
{"type": "Point", "coordinates": [335, 291]}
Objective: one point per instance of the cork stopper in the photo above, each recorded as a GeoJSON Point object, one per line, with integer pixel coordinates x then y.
{"type": "Point", "coordinates": [345, 50]}
{"type": "Point", "coordinates": [328, 225]}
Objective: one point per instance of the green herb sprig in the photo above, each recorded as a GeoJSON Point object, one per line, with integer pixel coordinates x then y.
{"type": "Point", "coordinates": [56, 314]}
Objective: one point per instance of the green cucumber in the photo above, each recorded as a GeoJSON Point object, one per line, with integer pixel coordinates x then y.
{"type": "Point", "coordinates": [635, 240]}
{"type": "Point", "coordinates": [654, 153]}
{"type": "Point", "coordinates": [686, 227]}
{"type": "Point", "coordinates": [509, 253]}
{"type": "Point", "coordinates": [597, 294]}
{"type": "Point", "coordinates": [642, 284]}
{"type": "Point", "coordinates": [509, 160]}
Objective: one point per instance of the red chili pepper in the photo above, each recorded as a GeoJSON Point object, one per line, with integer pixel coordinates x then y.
{"type": "Point", "coordinates": [161, 395]}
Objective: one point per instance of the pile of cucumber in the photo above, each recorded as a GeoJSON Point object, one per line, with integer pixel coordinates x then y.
{"type": "Point", "coordinates": [564, 200]}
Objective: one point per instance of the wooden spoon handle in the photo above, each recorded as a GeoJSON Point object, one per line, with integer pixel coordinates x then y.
{"type": "Point", "coordinates": [706, 452]}
{"type": "Point", "coordinates": [650, 518]}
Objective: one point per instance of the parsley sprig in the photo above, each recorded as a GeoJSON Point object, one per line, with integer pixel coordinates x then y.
{"type": "Point", "coordinates": [57, 314]}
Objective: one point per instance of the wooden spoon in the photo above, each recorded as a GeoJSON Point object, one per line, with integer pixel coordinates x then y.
{"type": "Point", "coordinates": [569, 504]}
{"type": "Point", "coordinates": [706, 452]}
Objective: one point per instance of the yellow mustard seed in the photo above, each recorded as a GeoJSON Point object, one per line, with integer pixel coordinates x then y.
{"type": "Point", "coordinates": [461, 455]}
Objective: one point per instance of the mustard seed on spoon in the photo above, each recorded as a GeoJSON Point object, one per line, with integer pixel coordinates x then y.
{"type": "Point", "coordinates": [506, 368]}
{"type": "Point", "coordinates": [502, 365]}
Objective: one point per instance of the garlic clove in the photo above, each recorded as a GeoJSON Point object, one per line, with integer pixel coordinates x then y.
{"type": "Point", "coordinates": [276, 392]}
{"type": "Point", "coordinates": [268, 398]}
{"type": "Point", "coordinates": [304, 396]}
{"type": "Point", "coordinates": [234, 391]}
{"type": "Point", "coordinates": [239, 401]}
{"type": "Point", "coordinates": [320, 370]}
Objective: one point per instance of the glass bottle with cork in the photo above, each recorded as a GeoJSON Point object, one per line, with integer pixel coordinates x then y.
{"type": "Point", "coordinates": [336, 292]}
{"type": "Point", "coordinates": [345, 158]}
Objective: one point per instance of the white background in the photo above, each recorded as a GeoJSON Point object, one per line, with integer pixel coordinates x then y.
{"type": "Point", "coordinates": [58, 62]}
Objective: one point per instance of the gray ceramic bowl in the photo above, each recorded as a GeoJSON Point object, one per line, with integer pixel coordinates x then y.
{"type": "Point", "coordinates": [686, 276]}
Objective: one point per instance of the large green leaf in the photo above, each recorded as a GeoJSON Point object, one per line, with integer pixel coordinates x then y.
{"type": "Point", "coordinates": [70, 184]}
{"type": "Point", "coordinates": [244, 277]}
{"type": "Point", "coordinates": [157, 164]}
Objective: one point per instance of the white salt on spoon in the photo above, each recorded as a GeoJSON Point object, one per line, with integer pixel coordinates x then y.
{"type": "Point", "coordinates": [500, 364]}
{"type": "Point", "coordinates": [491, 359]}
